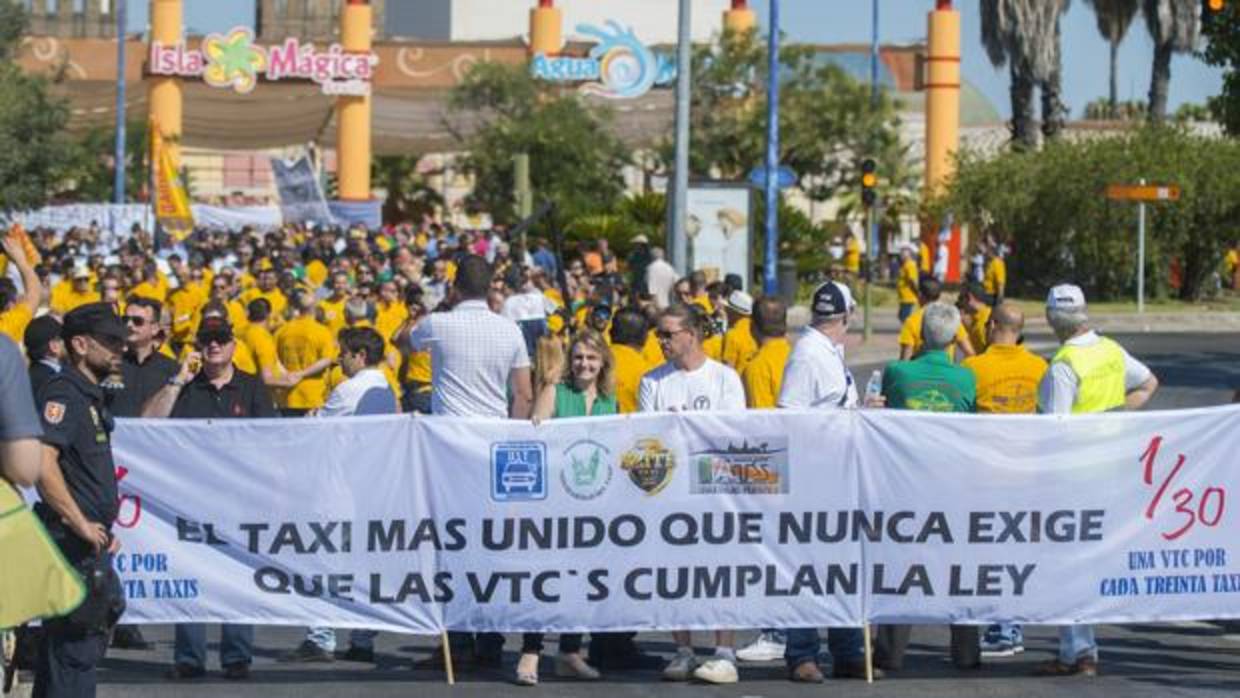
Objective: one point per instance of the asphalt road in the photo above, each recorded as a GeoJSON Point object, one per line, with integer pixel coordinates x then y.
{"type": "Point", "coordinates": [1197, 659]}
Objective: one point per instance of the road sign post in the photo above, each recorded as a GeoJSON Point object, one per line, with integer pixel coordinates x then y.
{"type": "Point", "coordinates": [1142, 193]}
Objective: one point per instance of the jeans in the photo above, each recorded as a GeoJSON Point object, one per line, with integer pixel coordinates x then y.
{"type": "Point", "coordinates": [1077, 642]}
{"type": "Point", "coordinates": [570, 643]}
{"type": "Point", "coordinates": [1006, 632]}
{"type": "Point", "coordinates": [325, 638]}
{"type": "Point", "coordinates": [236, 644]}
{"type": "Point", "coordinates": [486, 645]}
{"type": "Point", "coordinates": [906, 309]}
{"type": "Point", "coordinates": [844, 644]}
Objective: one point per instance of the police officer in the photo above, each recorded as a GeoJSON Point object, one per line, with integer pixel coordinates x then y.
{"type": "Point", "coordinates": [79, 500]}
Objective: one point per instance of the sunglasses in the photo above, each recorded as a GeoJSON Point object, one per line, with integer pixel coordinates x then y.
{"type": "Point", "coordinates": [135, 320]}
{"type": "Point", "coordinates": [663, 334]}
{"type": "Point", "coordinates": [219, 338]}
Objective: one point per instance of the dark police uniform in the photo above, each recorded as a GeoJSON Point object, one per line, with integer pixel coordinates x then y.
{"type": "Point", "coordinates": [76, 422]}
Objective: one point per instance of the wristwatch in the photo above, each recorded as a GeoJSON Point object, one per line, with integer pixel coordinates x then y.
{"type": "Point", "coordinates": [175, 380]}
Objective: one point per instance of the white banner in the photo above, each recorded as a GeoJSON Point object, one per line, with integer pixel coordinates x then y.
{"type": "Point", "coordinates": [643, 522]}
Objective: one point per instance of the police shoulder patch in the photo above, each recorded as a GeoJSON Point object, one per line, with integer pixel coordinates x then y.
{"type": "Point", "coordinates": [54, 412]}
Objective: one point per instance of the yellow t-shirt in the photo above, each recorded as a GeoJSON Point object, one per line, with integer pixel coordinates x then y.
{"type": "Point", "coordinates": [764, 374]}
{"type": "Point", "coordinates": [1231, 260]}
{"type": "Point", "coordinates": [910, 333]}
{"type": "Point", "coordinates": [906, 284]}
{"type": "Point", "coordinates": [13, 322]}
{"type": "Point", "coordinates": [977, 329]}
{"type": "Point", "coordinates": [301, 342]}
{"type": "Point", "coordinates": [713, 346]}
{"type": "Point", "coordinates": [852, 256]}
{"type": "Point", "coordinates": [185, 304]}
{"type": "Point", "coordinates": [275, 297]}
{"type": "Point", "coordinates": [263, 347]}
{"type": "Point", "coordinates": [1007, 378]}
{"type": "Point", "coordinates": [388, 318]}
{"type": "Point", "coordinates": [630, 367]}
{"type": "Point", "coordinates": [739, 346]}
{"type": "Point", "coordinates": [64, 298]}
{"type": "Point", "coordinates": [996, 276]}
{"type": "Point", "coordinates": [927, 263]}
{"type": "Point", "coordinates": [651, 351]}
{"type": "Point", "coordinates": [237, 317]}
{"type": "Point", "coordinates": [316, 273]}
{"type": "Point", "coordinates": [154, 291]}
{"type": "Point", "coordinates": [333, 314]}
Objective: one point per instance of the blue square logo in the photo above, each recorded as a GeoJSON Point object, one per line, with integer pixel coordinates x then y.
{"type": "Point", "coordinates": [518, 471]}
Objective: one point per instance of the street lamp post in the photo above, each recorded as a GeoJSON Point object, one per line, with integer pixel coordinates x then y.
{"type": "Point", "coordinates": [118, 181]}
{"type": "Point", "coordinates": [871, 228]}
{"type": "Point", "coordinates": [679, 247]}
{"type": "Point", "coordinates": [770, 276]}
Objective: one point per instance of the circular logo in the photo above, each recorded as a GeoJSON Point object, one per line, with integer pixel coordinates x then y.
{"type": "Point", "coordinates": [650, 465]}
{"type": "Point", "coordinates": [586, 471]}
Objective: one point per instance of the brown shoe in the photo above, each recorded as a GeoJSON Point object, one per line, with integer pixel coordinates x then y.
{"type": "Point", "coordinates": [806, 672]}
{"type": "Point", "coordinates": [1085, 666]}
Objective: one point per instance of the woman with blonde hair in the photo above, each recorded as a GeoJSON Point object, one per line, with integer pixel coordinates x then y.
{"type": "Point", "coordinates": [586, 389]}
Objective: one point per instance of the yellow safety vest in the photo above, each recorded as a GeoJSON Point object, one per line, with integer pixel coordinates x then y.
{"type": "Point", "coordinates": [1099, 370]}
{"type": "Point", "coordinates": [35, 581]}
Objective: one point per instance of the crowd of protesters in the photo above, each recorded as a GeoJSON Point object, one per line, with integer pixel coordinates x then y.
{"type": "Point", "coordinates": [340, 321]}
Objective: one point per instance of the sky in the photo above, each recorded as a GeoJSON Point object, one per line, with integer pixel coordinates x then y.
{"type": "Point", "coordinates": [1085, 53]}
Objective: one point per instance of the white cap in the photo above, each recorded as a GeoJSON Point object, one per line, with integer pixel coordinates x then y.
{"type": "Point", "coordinates": [641, 239]}
{"type": "Point", "coordinates": [1065, 297]}
{"type": "Point", "coordinates": [81, 271]}
{"type": "Point", "coordinates": [740, 302]}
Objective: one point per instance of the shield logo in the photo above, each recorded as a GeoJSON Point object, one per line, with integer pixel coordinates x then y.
{"type": "Point", "coordinates": [54, 412]}
{"type": "Point", "coordinates": [649, 464]}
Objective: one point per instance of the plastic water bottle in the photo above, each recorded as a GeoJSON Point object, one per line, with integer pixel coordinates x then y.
{"type": "Point", "coordinates": [875, 387]}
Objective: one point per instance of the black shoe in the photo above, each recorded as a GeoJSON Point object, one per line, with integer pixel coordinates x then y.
{"type": "Point", "coordinates": [460, 658]}
{"type": "Point", "coordinates": [853, 670]}
{"type": "Point", "coordinates": [357, 654]}
{"type": "Point", "coordinates": [628, 658]}
{"type": "Point", "coordinates": [129, 637]}
{"type": "Point", "coordinates": [489, 661]}
{"type": "Point", "coordinates": [185, 672]}
{"type": "Point", "coordinates": [237, 672]}
{"type": "Point", "coordinates": [307, 652]}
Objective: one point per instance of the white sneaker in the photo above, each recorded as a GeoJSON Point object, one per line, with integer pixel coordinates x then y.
{"type": "Point", "coordinates": [717, 670]}
{"type": "Point", "coordinates": [764, 649]}
{"type": "Point", "coordinates": [681, 667]}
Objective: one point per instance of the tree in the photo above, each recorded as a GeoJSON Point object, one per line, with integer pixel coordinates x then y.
{"type": "Point", "coordinates": [1114, 17]}
{"type": "Point", "coordinates": [1024, 34]}
{"type": "Point", "coordinates": [409, 197]}
{"type": "Point", "coordinates": [89, 169]}
{"type": "Point", "coordinates": [32, 125]}
{"type": "Point", "coordinates": [1222, 49]}
{"type": "Point", "coordinates": [1051, 203]}
{"type": "Point", "coordinates": [1174, 26]}
{"type": "Point", "coordinates": [575, 160]}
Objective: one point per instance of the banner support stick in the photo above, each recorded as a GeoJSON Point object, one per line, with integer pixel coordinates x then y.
{"type": "Point", "coordinates": [869, 653]}
{"type": "Point", "coordinates": [447, 657]}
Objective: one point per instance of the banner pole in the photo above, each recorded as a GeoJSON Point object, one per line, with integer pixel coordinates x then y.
{"type": "Point", "coordinates": [447, 657]}
{"type": "Point", "coordinates": [869, 653]}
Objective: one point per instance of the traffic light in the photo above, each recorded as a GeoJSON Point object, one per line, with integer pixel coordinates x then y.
{"type": "Point", "coordinates": [869, 182]}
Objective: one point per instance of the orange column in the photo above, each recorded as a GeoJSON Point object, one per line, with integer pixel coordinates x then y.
{"type": "Point", "coordinates": [546, 28]}
{"type": "Point", "coordinates": [942, 95]}
{"type": "Point", "coordinates": [165, 92]}
{"type": "Point", "coordinates": [740, 18]}
{"type": "Point", "coordinates": [353, 112]}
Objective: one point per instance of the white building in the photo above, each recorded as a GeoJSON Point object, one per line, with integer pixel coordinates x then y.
{"type": "Point", "coordinates": [653, 21]}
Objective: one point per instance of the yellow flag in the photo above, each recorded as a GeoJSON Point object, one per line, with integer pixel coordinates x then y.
{"type": "Point", "coordinates": [36, 581]}
{"type": "Point", "coordinates": [171, 202]}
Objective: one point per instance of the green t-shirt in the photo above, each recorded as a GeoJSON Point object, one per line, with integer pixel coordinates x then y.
{"type": "Point", "coordinates": [570, 402]}
{"type": "Point", "coordinates": [930, 383]}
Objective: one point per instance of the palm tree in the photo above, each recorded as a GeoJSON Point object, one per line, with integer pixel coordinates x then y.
{"type": "Point", "coordinates": [1025, 35]}
{"type": "Point", "coordinates": [1174, 26]}
{"type": "Point", "coordinates": [1114, 18]}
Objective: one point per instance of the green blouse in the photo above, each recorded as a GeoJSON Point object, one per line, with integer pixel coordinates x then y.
{"type": "Point", "coordinates": [570, 402]}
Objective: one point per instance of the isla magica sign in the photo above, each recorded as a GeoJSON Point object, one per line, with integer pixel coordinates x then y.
{"type": "Point", "coordinates": [232, 60]}
{"type": "Point", "coordinates": [617, 67]}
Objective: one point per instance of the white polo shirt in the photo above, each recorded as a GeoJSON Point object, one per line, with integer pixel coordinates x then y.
{"type": "Point", "coordinates": [367, 392]}
{"type": "Point", "coordinates": [816, 377]}
{"type": "Point", "coordinates": [713, 386]}
{"type": "Point", "coordinates": [473, 350]}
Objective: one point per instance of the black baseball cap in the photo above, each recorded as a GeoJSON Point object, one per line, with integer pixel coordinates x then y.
{"type": "Point", "coordinates": [39, 333]}
{"type": "Point", "coordinates": [831, 299]}
{"type": "Point", "coordinates": [94, 318]}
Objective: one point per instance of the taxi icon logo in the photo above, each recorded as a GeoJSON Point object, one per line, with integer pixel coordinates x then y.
{"type": "Point", "coordinates": [518, 471]}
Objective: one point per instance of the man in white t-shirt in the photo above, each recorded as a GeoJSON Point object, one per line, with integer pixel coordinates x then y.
{"type": "Point", "coordinates": [691, 381]}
